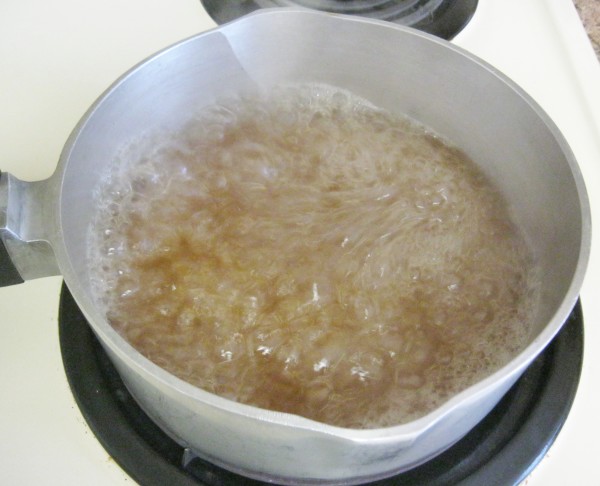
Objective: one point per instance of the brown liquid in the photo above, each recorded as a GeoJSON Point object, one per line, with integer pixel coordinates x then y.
{"type": "Point", "coordinates": [308, 253]}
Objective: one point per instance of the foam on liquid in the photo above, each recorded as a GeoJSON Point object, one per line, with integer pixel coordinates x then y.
{"type": "Point", "coordinates": [308, 253]}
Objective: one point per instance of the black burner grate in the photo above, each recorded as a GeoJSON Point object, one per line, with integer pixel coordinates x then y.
{"type": "Point", "coordinates": [500, 450]}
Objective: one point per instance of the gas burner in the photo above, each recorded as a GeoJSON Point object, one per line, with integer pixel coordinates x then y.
{"type": "Point", "coordinates": [444, 18]}
{"type": "Point", "coordinates": [502, 449]}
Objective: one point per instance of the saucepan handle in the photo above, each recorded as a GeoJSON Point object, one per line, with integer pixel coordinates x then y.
{"type": "Point", "coordinates": [26, 220]}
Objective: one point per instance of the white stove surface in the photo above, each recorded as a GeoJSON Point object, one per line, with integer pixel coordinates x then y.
{"type": "Point", "coordinates": [57, 57]}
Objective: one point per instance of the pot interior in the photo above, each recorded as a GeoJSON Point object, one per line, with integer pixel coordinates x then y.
{"type": "Point", "coordinates": [399, 69]}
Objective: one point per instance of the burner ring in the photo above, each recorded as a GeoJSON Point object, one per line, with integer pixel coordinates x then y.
{"type": "Point", "coordinates": [444, 18]}
{"type": "Point", "coordinates": [508, 443]}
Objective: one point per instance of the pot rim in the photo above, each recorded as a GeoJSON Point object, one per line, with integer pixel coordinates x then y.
{"type": "Point", "coordinates": [407, 431]}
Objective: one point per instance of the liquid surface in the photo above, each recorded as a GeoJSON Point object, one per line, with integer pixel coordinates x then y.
{"type": "Point", "coordinates": [308, 253]}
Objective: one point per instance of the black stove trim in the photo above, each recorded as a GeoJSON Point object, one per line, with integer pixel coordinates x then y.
{"type": "Point", "coordinates": [510, 441]}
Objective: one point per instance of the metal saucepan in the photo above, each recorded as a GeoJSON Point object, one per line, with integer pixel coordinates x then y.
{"type": "Point", "coordinates": [44, 224]}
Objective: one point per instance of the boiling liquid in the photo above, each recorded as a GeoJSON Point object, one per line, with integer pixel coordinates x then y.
{"type": "Point", "coordinates": [308, 253]}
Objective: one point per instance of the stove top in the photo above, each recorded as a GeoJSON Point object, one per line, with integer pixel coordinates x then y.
{"type": "Point", "coordinates": [58, 57]}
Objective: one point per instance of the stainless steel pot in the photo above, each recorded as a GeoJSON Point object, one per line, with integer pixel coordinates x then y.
{"type": "Point", "coordinates": [43, 224]}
